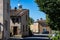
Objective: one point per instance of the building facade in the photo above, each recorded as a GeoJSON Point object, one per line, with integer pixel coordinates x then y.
{"type": "Point", "coordinates": [5, 17]}
{"type": "Point", "coordinates": [40, 26]}
{"type": "Point", "coordinates": [19, 22]}
{"type": "Point", "coordinates": [44, 28]}
{"type": "Point", "coordinates": [34, 27]}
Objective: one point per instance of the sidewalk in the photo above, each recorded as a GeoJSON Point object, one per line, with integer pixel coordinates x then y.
{"type": "Point", "coordinates": [16, 36]}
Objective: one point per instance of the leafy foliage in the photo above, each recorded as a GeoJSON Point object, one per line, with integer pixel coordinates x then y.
{"type": "Point", "coordinates": [30, 21]}
{"type": "Point", "coordinates": [52, 9]}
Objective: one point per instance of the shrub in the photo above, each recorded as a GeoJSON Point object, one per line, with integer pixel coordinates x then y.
{"type": "Point", "coordinates": [55, 38]}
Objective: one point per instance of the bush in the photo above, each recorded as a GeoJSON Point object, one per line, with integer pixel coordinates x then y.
{"type": "Point", "coordinates": [56, 37]}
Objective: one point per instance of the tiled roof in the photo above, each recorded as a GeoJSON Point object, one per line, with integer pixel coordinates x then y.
{"type": "Point", "coordinates": [43, 23]}
{"type": "Point", "coordinates": [18, 12]}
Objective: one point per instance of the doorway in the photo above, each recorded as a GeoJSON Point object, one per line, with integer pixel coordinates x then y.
{"type": "Point", "coordinates": [15, 30]}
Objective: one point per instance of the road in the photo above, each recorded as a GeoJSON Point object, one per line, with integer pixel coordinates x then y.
{"type": "Point", "coordinates": [35, 37]}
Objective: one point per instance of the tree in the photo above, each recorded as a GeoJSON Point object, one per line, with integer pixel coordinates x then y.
{"type": "Point", "coordinates": [30, 21]}
{"type": "Point", "coordinates": [52, 10]}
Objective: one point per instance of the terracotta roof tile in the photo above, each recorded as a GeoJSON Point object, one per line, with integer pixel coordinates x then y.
{"type": "Point", "coordinates": [18, 12]}
{"type": "Point", "coordinates": [43, 22]}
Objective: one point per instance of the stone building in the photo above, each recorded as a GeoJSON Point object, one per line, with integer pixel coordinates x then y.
{"type": "Point", "coordinates": [44, 28]}
{"type": "Point", "coordinates": [34, 27]}
{"type": "Point", "coordinates": [40, 26]}
{"type": "Point", "coordinates": [19, 22]}
{"type": "Point", "coordinates": [5, 17]}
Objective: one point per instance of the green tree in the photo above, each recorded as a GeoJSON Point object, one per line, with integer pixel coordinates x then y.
{"type": "Point", "coordinates": [52, 10]}
{"type": "Point", "coordinates": [30, 21]}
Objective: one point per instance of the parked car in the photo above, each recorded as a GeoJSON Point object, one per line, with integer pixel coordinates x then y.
{"type": "Point", "coordinates": [45, 32]}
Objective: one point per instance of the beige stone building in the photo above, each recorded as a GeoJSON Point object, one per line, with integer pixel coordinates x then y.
{"type": "Point", "coordinates": [19, 22]}
{"type": "Point", "coordinates": [34, 27]}
{"type": "Point", "coordinates": [40, 26]}
{"type": "Point", "coordinates": [5, 17]}
{"type": "Point", "coordinates": [44, 28]}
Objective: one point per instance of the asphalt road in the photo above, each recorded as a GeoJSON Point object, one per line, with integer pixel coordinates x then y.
{"type": "Point", "coordinates": [35, 37]}
{"type": "Point", "coordinates": [30, 39]}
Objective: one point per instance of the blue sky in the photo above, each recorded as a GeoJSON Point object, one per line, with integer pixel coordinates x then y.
{"type": "Point", "coordinates": [32, 6]}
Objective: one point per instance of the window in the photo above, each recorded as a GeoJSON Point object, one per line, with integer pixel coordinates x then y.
{"type": "Point", "coordinates": [20, 18]}
{"type": "Point", "coordinates": [26, 17]}
{"type": "Point", "coordinates": [13, 19]}
{"type": "Point", "coordinates": [17, 19]}
{"type": "Point", "coordinates": [26, 28]}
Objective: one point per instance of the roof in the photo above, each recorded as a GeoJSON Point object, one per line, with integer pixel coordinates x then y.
{"type": "Point", "coordinates": [18, 12]}
{"type": "Point", "coordinates": [42, 22]}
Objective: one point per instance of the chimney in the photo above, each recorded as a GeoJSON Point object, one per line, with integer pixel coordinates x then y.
{"type": "Point", "coordinates": [37, 20]}
{"type": "Point", "coordinates": [20, 7]}
{"type": "Point", "coordinates": [41, 19]}
{"type": "Point", "coordinates": [15, 8]}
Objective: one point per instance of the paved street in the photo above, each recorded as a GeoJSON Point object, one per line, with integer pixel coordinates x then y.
{"type": "Point", "coordinates": [31, 38]}
{"type": "Point", "coordinates": [35, 37]}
